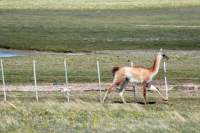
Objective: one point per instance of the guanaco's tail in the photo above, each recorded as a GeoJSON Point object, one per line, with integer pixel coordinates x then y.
{"type": "Point", "coordinates": [114, 70]}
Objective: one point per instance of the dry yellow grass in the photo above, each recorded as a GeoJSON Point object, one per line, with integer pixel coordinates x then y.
{"type": "Point", "coordinates": [53, 116]}
{"type": "Point", "coordinates": [95, 4]}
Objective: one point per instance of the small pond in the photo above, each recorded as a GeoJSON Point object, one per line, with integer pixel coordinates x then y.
{"type": "Point", "coordinates": [9, 54]}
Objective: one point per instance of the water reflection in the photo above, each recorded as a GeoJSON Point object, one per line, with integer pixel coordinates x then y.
{"type": "Point", "coordinates": [8, 54]}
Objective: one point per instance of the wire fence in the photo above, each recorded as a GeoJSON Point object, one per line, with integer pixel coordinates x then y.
{"type": "Point", "coordinates": [40, 83]}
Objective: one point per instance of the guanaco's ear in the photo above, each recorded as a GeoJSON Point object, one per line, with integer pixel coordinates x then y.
{"type": "Point", "coordinates": [160, 50]}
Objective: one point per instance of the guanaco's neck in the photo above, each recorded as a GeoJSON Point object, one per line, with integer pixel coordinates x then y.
{"type": "Point", "coordinates": [156, 65]}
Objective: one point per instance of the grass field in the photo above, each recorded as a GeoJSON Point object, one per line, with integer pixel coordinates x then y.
{"type": "Point", "coordinates": [83, 68]}
{"type": "Point", "coordinates": [70, 26]}
{"type": "Point", "coordinates": [90, 25]}
{"type": "Point", "coordinates": [84, 113]}
{"type": "Point", "coordinates": [96, 4]}
{"type": "Point", "coordinates": [51, 116]}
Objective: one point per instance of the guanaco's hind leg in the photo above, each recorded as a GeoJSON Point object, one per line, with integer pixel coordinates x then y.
{"type": "Point", "coordinates": [122, 89]}
{"type": "Point", "coordinates": [117, 82]}
{"type": "Point", "coordinates": [114, 85]}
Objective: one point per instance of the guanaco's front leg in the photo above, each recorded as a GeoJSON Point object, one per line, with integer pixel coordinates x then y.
{"type": "Point", "coordinates": [144, 92]}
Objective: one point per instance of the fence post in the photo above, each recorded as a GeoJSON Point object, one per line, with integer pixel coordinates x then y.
{"type": "Point", "coordinates": [165, 74]}
{"type": "Point", "coordinates": [134, 94]}
{"type": "Point", "coordinates": [65, 65]}
{"type": "Point", "coordinates": [34, 71]}
{"type": "Point", "coordinates": [131, 64]}
{"type": "Point", "coordinates": [99, 78]}
{"type": "Point", "coordinates": [4, 86]}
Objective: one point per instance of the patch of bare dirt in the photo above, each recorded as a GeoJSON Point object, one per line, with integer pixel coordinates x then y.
{"type": "Point", "coordinates": [91, 87]}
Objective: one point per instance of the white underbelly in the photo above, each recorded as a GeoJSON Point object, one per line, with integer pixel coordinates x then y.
{"type": "Point", "coordinates": [133, 80]}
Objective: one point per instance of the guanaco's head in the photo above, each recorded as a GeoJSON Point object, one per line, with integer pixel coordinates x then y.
{"type": "Point", "coordinates": [164, 56]}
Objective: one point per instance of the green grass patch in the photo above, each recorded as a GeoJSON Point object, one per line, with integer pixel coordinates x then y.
{"type": "Point", "coordinates": [72, 30]}
{"type": "Point", "coordinates": [71, 26]}
{"type": "Point", "coordinates": [181, 67]}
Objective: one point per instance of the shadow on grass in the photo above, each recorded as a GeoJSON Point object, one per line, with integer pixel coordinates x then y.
{"type": "Point", "coordinates": [142, 103]}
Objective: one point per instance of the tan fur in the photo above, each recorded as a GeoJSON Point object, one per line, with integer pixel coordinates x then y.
{"type": "Point", "coordinates": [135, 75]}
